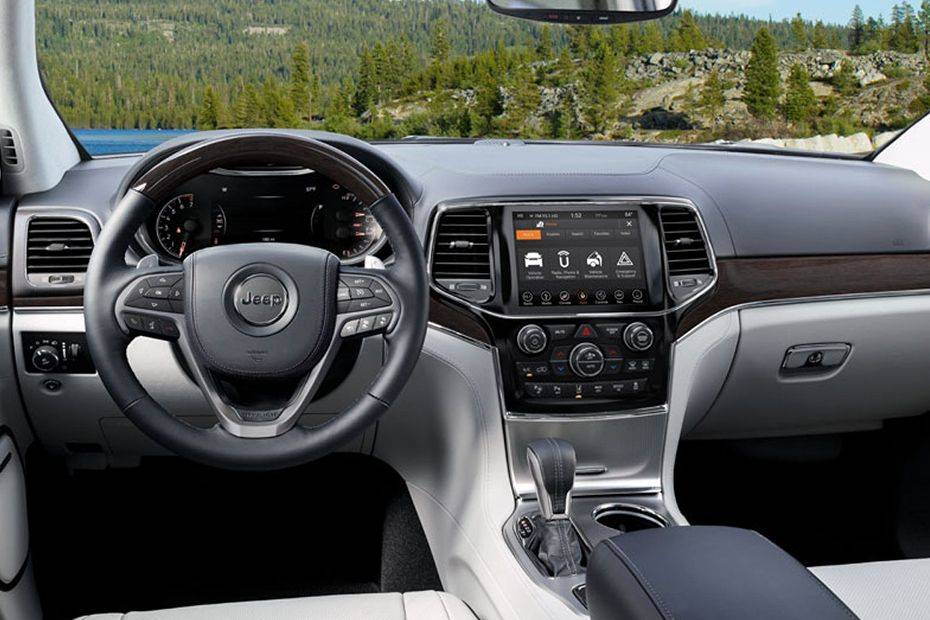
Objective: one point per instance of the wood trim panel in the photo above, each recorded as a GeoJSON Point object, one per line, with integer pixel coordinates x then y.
{"type": "Point", "coordinates": [457, 319]}
{"type": "Point", "coordinates": [68, 301]}
{"type": "Point", "coordinates": [747, 280]}
{"type": "Point", "coordinates": [4, 288]}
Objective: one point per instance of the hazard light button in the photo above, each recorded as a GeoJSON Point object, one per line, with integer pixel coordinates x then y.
{"type": "Point", "coordinates": [586, 331]}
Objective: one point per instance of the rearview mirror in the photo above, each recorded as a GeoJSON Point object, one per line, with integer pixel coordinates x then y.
{"type": "Point", "coordinates": [585, 11]}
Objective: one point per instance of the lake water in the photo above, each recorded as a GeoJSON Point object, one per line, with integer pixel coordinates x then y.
{"type": "Point", "coordinates": [113, 141]}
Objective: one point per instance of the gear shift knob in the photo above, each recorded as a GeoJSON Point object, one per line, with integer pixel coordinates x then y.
{"type": "Point", "coordinates": [552, 464]}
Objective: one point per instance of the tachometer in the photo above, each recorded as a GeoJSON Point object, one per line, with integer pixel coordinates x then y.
{"type": "Point", "coordinates": [345, 226]}
{"type": "Point", "coordinates": [181, 228]}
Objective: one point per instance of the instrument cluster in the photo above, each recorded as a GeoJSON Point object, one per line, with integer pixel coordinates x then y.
{"type": "Point", "coordinates": [284, 205]}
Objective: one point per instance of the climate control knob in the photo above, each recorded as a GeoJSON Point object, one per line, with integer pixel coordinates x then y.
{"type": "Point", "coordinates": [587, 360]}
{"type": "Point", "coordinates": [638, 337]}
{"type": "Point", "coordinates": [532, 339]}
{"type": "Point", "coordinates": [45, 358]}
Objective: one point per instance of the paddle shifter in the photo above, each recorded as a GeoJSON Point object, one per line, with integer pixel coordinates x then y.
{"type": "Point", "coordinates": [556, 544]}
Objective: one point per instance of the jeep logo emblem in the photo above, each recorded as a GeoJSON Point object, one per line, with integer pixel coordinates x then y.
{"type": "Point", "coordinates": [260, 299]}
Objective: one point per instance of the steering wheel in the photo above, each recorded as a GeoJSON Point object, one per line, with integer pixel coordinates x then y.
{"type": "Point", "coordinates": [258, 323]}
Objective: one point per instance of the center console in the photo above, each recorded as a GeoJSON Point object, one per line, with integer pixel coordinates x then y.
{"type": "Point", "coordinates": [580, 300]}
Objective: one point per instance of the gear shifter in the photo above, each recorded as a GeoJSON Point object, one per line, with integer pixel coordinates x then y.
{"type": "Point", "coordinates": [552, 464]}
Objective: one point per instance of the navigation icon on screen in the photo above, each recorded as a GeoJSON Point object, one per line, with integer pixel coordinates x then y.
{"type": "Point", "coordinates": [564, 258]}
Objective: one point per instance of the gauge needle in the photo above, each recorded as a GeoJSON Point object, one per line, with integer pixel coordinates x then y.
{"type": "Point", "coordinates": [183, 245]}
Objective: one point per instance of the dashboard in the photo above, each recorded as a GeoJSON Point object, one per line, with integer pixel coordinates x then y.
{"type": "Point", "coordinates": [253, 205]}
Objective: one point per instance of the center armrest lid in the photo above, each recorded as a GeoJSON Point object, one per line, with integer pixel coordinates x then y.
{"type": "Point", "coordinates": [703, 573]}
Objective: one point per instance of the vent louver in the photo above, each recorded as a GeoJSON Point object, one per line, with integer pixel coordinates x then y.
{"type": "Point", "coordinates": [685, 246]}
{"type": "Point", "coordinates": [9, 154]}
{"type": "Point", "coordinates": [461, 257]}
{"type": "Point", "coordinates": [57, 247]}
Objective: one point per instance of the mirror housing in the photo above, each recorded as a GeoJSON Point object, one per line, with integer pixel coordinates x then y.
{"type": "Point", "coordinates": [585, 11]}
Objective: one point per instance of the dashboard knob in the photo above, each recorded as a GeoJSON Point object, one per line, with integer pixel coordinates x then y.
{"type": "Point", "coordinates": [587, 360]}
{"type": "Point", "coordinates": [45, 358]}
{"type": "Point", "coordinates": [532, 339]}
{"type": "Point", "coordinates": [638, 337]}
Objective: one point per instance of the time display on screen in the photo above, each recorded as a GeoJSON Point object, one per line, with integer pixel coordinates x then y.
{"type": "Point", "coordinates": [578, 258]}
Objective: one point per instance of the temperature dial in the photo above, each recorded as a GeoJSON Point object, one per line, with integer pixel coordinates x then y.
{"type": "Point", "coordinates": [638, 337]}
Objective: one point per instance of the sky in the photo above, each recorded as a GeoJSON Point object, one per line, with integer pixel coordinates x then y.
{"type": "Point", "coordinates": [831, 11]}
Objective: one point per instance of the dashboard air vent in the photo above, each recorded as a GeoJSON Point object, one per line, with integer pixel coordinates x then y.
{"type": "Point", "coordinates": [461, 253]}
{"type": "Point", "coordinates": [58, 250]}
{"type": "Point", "coordinates": [684, 244]}
{"type": "Point", "coordinates": [9, 154]}
{"type": "Point", "coordinates": [686, 252]}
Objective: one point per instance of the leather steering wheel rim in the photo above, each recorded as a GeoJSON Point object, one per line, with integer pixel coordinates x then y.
{"type": "Point", "coordinates": [108, 277]}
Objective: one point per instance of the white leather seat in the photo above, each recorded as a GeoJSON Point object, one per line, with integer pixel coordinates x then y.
{"type": "Point", "coordinates": [410, 606]}
{"type": "Point", "coordinates": [898, 590]}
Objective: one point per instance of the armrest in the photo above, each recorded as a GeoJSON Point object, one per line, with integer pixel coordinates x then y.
{"type": "Point", "coordinates": [698, 573]}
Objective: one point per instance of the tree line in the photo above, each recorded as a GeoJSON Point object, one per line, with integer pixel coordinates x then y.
{"type": "Point", "coordinates": [386, 69]}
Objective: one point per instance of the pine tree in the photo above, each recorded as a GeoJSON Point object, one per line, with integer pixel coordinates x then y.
{"type": "Point", "coordinates": [713, 94]}
{"type": "Point", "coordinates": [923, 18]}
{"type": "Point", "coordinates": [763, 83]}
{"type": "Point", "coordinates": [544, 49]}
{"type": "Point", "coordinates": [820, 38]}
{"type": "Point", "coordinates": [600, 89]}
{"type": "Point", "coordinates": [301, 81]}
{"type": "Point", "coordinates": [844, 80]}
{"type": "Point", "coordinates": [365, 96]}
{"type": "Point", "coordinates": [248, 111]}
{"type": "Point", "coordinates": [687, 35]}
{"type": "Point", "coordinates": [211, 114]}
{"type": "Point", "coordinates": [800, 100]}
{"type": "Point", "coordinates": [439, 55]}
{"type": "Point", "coordinates": [653, 39]}
{"type": "Point", "coordinates": [799, 32]}
{"type": "Point", "coordinates": [489, 104]}
{"type": "Point", "coordinates": [856, 30]}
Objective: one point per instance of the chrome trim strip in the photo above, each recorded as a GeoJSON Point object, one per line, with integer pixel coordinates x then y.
{"type": "Point", "coordinates": [585, 202]}
{"type": "Point", "coordinates": [269, 172]}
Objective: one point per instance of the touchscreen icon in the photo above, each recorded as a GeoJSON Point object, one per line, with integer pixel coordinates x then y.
{"type": "Point", "coordinates": [532, 259]}
{"type": "Point", "coordinates": [625, 260]}
{"type": "Point", "coordinates": [565, 258]}
{"type": "Point", "coordinates": [595, 260]}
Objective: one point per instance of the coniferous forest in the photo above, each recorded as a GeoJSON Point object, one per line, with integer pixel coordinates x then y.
{"type": "Point", "coordinates": [384, 69]}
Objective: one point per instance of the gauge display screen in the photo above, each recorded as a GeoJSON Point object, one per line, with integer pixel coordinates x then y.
{"type": "Point", "coordinates": [304, 208]}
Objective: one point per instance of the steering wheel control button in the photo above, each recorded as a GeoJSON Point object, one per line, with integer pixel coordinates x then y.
{"type": "Point", "coordinates": [145, 303]}
{"type": "Point", "coordinates": [372, 303]}
{"type": "Point", "coordinates": [383, 320]}
{"type": "Point", "coordinates": [343, 294]}
{"type": "Point", "coordinates": [260, 299]}
{"type": "Point", "coordinates": [167, 279]}
{"type": "Point", "coordinates": [638, 337]}
{"type": "Point", "coordinates": [350, 328]}
{"type": "Point", "coordinates": [356, 281]}
{"type": "Point", "coordinates": [360, 292]}
{"type": "Point", "coordinates": [158, 292]}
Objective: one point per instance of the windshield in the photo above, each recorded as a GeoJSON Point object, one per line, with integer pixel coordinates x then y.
{"type": "Point", "coordinates": [833, 78]}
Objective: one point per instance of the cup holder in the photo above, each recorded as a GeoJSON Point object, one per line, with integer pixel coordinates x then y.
{"type": "Point", "coordinates": [627, 518]}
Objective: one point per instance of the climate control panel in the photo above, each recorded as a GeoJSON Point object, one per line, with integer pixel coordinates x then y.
{"type": "Point", "coordinates": [586, 364]}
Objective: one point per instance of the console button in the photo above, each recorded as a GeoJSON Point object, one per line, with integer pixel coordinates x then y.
{"type": "Point", "coordinates": [596, 390]}
{"type": "Point", "coordinates": [638, 336]}
{"type": "Point", "coordinates": [613, 367]}
{"type": "Point", "coordinates": [560, 354]}
{"type": "Point", "coordinates": [533, 369]}
{"type": "Point", "coordinates": [611, 330]}
{"type": "Point", "coordinates": [560, 369]}
{"type": "Point", "coordinates": [587, 360]}
{"type": "Point", "coordinates": [612, 351]}
{"type": "Point", "coordinates": [532, 339]}
{"type": "Point", "coordinates": [561, 332]}
{"type": "Point", "coordinates": [637, 386]}
{"type": "Point", "coordinates": [639, 365]}
{"type": "Point", "coordinates": [558, 390]}
{"type": "Point", "coordinates": [619, 388]}
{"type": "Point", "coordinates": [535, 390]}
{"type": "Point", "coordinates": [585, 332]}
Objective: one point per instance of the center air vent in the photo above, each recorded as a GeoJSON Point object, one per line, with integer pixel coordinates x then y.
{"type": "Point", "coordinates": [686, 251]}
{"type": "Point", "coordinates": [461, 254]}
{"type": "Point", "coordinates": [58, 250]}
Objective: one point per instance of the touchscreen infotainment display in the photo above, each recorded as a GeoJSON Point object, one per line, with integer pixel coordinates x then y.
{"type": "Point", "coordinates": [579, 258]}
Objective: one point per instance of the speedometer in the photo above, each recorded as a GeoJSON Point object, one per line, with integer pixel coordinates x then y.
{"type": "Point", "coordinates": [345, 226]}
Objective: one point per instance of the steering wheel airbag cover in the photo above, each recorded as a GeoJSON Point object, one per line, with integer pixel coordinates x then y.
{"type": "Point", "coordinates": [216, 277]}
